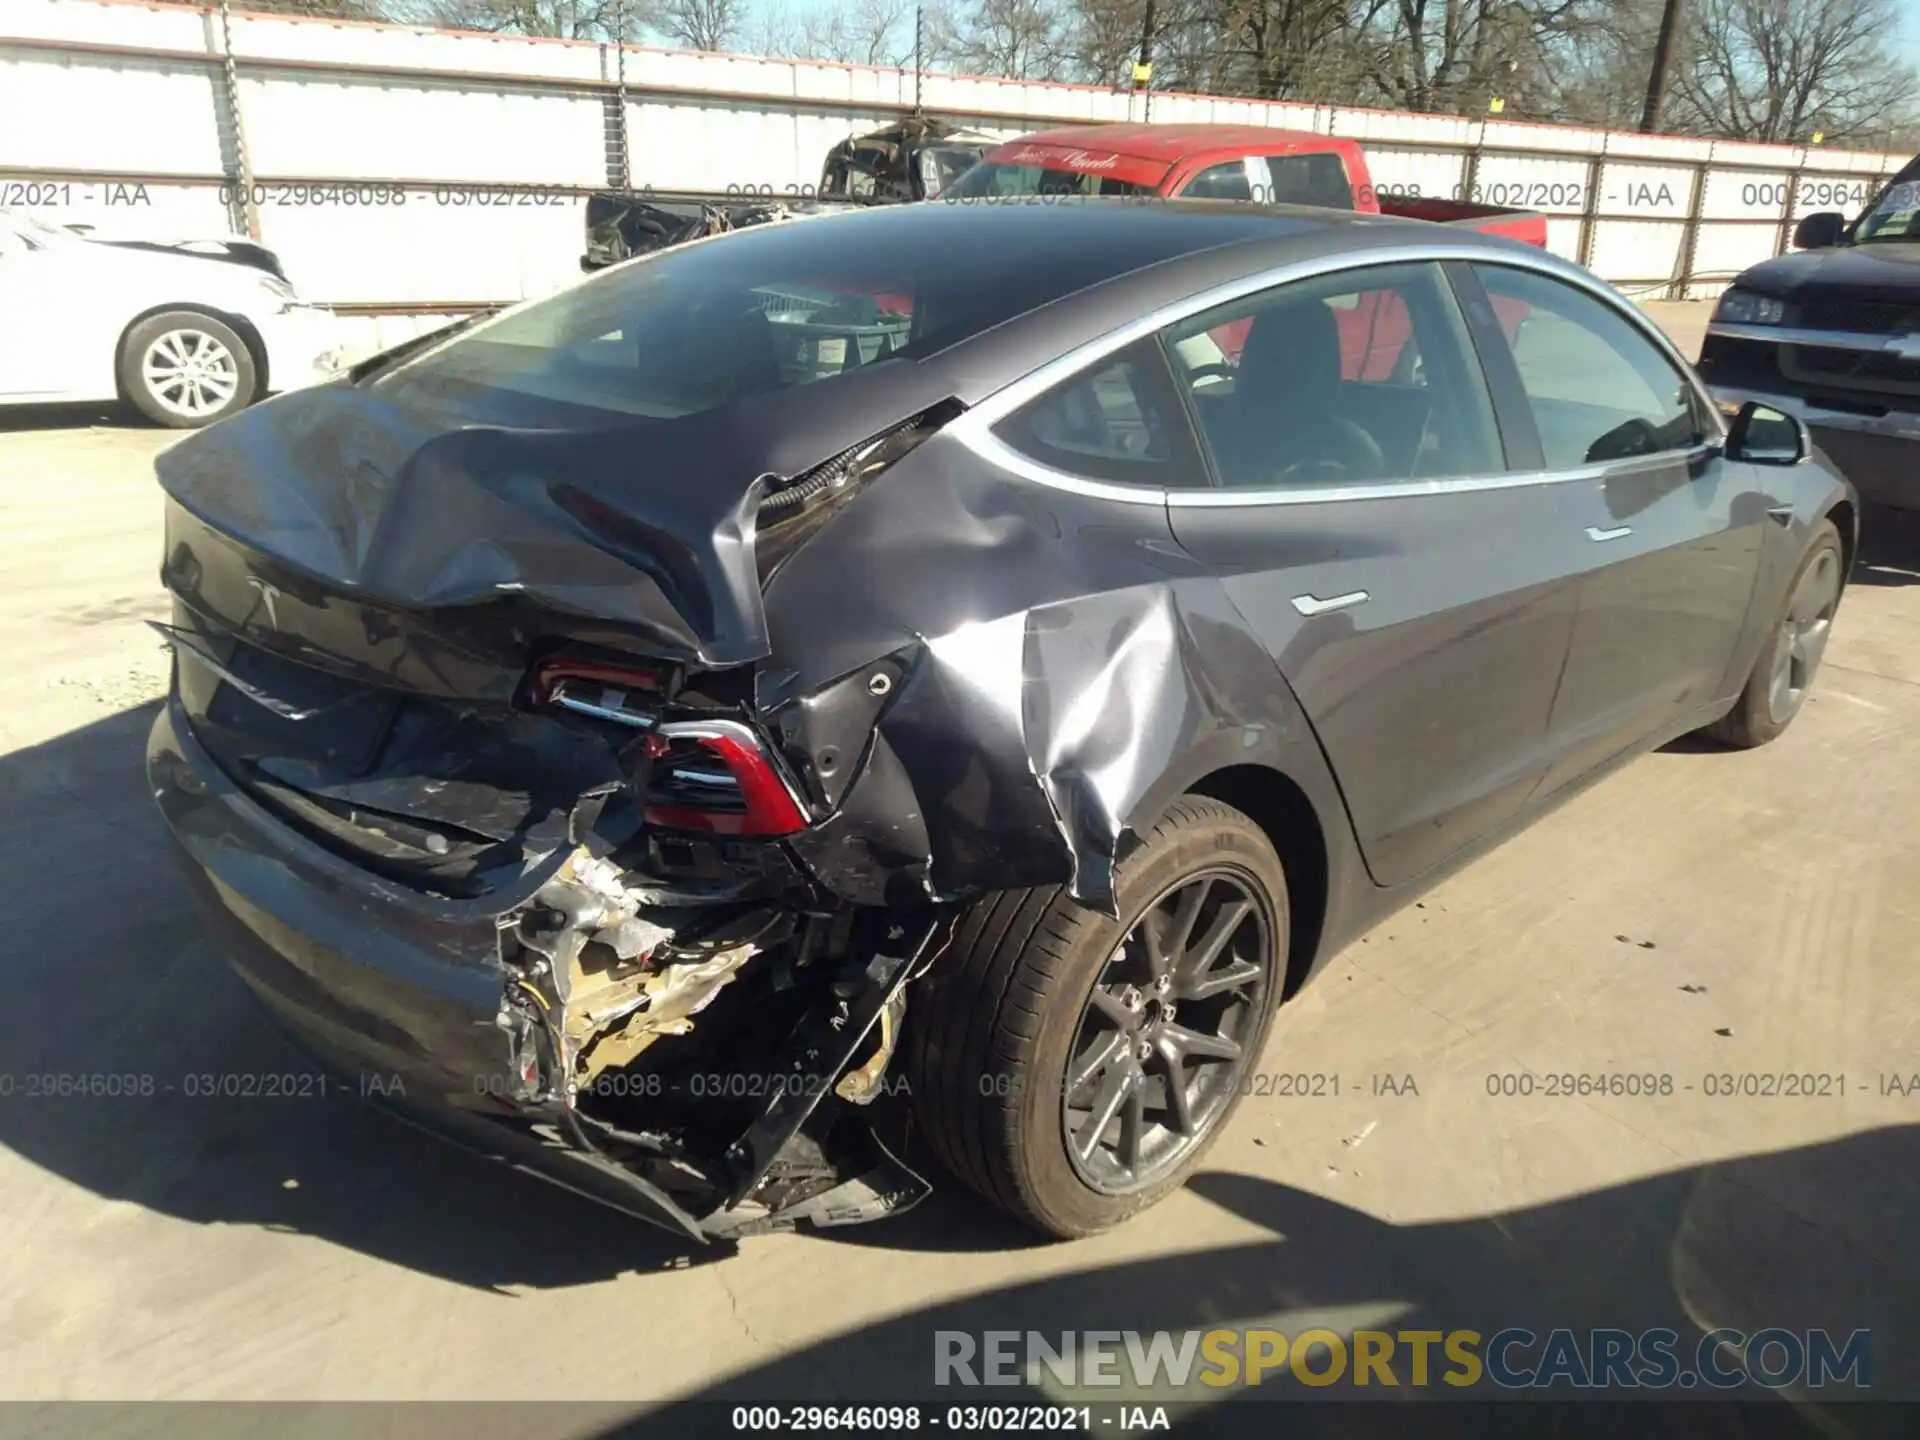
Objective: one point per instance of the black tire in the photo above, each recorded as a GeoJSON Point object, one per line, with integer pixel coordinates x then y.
{"type": "Point", "coordinates": [215, 369]}
{"type": "Point", "coordinates": [1762, 712]}
{"type": "Point", "coordinates": [996, 1023]}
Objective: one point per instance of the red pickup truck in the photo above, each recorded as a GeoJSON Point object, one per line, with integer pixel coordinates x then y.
{"type": "Point", "coordinates": [1216, 162]}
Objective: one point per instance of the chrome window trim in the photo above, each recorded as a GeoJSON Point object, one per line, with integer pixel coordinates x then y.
{"type": "Point", "coordinates": [974, 428]}
{"type": "Point", "coordinates": [1449, 485]}
{"type": "Point", "coordinates": [990, 447]}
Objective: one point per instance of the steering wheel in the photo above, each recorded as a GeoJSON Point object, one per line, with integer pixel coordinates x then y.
{"type": "Point", "coordinates": [1215, 369]}
{"type": "Point", "coordinates": [1347, 452]}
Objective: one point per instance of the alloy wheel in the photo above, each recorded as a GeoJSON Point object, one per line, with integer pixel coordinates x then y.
{"type": "Point", "coordinates": [190, 373]}
{"type": "Point", "coordinates": [1165, 1035]}
{"type": "Point", "coordinates": [1803, 636]}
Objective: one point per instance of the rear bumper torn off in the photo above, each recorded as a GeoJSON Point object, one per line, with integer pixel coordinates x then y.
{"type": "Point", "coordinates": [559, 1025]}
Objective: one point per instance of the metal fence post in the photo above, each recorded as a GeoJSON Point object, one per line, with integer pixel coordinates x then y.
{"type": "Point", "coordinates": [1470, 167]}
{"type": "Point", "coordinates": [1690, 233]}
{"type": "Point", "coordinates": [1590, 208]}
{"type": "Point", "coordinates": [1787, 203]}
{"type": "Point", "coordinates": [613, 108]}
{"type": "Point", "coordinates": [242, 212]}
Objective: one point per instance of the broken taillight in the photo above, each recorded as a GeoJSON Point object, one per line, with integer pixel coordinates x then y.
{"type": "Point", "coordinates": [713, 777]}
{"type": "Point", "coordinates": [708, 776]}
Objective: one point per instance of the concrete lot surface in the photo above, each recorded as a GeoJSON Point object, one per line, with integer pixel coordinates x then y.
{"type": "Point", "coordinates": [1701, 914]}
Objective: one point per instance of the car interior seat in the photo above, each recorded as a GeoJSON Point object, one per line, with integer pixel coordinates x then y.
{"type": "Point", "coordinates": [1285, 421]}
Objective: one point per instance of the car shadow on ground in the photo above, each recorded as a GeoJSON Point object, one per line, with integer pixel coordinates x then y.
{"type": "Point", "coordinates": [1816, 1237]}
{"type": "Point", "coordinates": [1889, 546]}
{"type": "Point", "coordinates": [88, 416]}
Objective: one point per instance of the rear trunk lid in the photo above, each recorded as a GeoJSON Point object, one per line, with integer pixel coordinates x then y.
{"type": "Point", "coordinates": [388, 535]}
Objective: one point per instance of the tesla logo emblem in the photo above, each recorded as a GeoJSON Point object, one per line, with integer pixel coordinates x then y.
{"type": "Point", "coordinates": [1907, 347]}
{"type": "Point", "coordinates": [269, 594]}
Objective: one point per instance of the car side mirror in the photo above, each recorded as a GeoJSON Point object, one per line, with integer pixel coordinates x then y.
{"type": "Point", "coordinates": [1819, 230]}
{"type": "Point", "coordinates": [1762, 435]}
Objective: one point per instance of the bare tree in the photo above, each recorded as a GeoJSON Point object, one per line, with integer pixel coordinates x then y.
{"type": "Point", "coordinates": [566, 19]}
{"type": "Point", "coordinates": [1277, 48]}
{"type": "Point", "coordinates": [1428, 54]}
{"type": "Point", "coordinates": [1457, 55]}
{"type": "Point", "coordinates": [857, 32]}
{"type": "Point", "coordinates": [864, 32]}
{"type": "Point", "coordinates": [323, 9]}
{"type": "Point", "coordinates": [702, 24]}
{"type": "Point", "coordinates": [1018, 39]}
{"type": "Point", "coordinates": [1782, 69]}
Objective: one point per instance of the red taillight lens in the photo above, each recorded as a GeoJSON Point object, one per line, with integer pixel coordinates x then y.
{"type": "Point", "coordinates": [744, 796]}
{"type": "Point", "coordinates": [711, 777]}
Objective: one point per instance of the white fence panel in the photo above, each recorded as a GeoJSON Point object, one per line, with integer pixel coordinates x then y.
{"type": "Point", "coordinates": [428, 250]}
{"type": "Point", "coordinates": [362, 128]}
{"type": "Point", "coordinates": [1641, 191]}
{"type": "Point", "coordinates": [1551, 185]}
{"type": "Point", "coordinates": [1636, 252]}
{"type": "Point", "coordinates": [1723, 250]}
{"type": "Point", "coordinates": [130, 115]}
{"type": "Point", "coordinates": [1416, 172]}
{"type": "Point", "coordinates": [1563, 237]}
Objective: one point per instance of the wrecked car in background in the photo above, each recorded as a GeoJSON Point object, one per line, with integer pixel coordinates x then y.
{"type": "Point", "coordinates": [916, 158]}
{"type": "Point", "coordinates": [905, 668]}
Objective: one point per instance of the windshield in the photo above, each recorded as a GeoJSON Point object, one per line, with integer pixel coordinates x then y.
{"type": "Point", "coordinates": [694, 328]}
{"type": "Point", "coordinates": [996, 179]}
{"type": "Point", "coordinates": [1894, 217]}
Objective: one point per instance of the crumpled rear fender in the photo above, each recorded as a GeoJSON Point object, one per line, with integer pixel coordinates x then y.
{"type": "Point", "coordinates": [1020, 748]}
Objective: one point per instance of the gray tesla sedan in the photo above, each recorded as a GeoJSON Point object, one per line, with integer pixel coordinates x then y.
{"type": "Point", "coordinates": [931, 681]}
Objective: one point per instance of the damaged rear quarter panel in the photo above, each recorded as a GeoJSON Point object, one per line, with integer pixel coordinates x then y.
{"type": "Point", "coordinates": [1068, 671]}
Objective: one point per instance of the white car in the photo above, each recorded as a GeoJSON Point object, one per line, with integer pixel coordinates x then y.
{"type": "Point", "coordinates": [185, 337]}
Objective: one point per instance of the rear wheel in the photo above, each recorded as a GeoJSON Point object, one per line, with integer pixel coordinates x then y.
{"type": "Point", "coordinates": [1072, 1068]}
{"type": "Point", "coordinates": [1791, 657]}
{"type": "Point", "coordinates": [183, 369]}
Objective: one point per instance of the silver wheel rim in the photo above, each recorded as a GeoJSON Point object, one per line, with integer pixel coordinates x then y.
{"type": "Point", "coordinates": [1803, 636]}
{"type": "Point", "coordinates": [190, 373]}
{"type": "Point", "coordinates": [1146, 1082]}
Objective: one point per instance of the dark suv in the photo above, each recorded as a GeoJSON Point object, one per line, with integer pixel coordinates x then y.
{"type": "Point", "coordinates": [1832, 335]}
